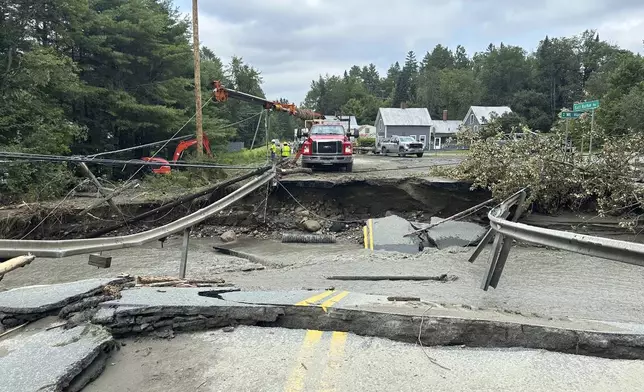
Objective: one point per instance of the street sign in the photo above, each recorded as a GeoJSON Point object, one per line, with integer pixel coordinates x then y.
{"type": "Point", "coordinates": [570, 114]}
{"type": "Point", "coordinates": [588, 105]}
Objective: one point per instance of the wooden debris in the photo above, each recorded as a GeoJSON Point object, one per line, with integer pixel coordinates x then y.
{"type": "Point", "coordinates": [171, 281]}
{"type": "Point", "coordinates": [439, 278]}
{"type": "Point", "coordinates": [15, 263]}
{"type": "Point", "coordinates": [403, 299]}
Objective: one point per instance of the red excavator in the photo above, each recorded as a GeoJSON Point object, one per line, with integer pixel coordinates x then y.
{"type": "Point", "coordinates": [178, 153]}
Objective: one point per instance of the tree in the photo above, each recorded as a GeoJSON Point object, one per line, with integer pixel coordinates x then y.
{"type": "Point", "coordinates": [440, 58]}
{"type": "Point", "coordinates": [461, 61]}
{"type": "Point", "coordinates": [503, 71]}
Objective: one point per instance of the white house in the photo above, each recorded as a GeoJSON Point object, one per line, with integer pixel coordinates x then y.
{"type": "Point", "coordinates": [477, 117]}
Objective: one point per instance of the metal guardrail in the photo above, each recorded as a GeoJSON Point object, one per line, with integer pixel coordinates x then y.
{"type": "Point", "coordinates": [507, 231]}
{"type": "Point", "coordinates": [63, 248]}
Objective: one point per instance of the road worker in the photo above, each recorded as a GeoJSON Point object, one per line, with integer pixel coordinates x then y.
{"type": "Point", "coordinates": [286, 150]}
{"type": "Point", "coordinates": [273, 150]}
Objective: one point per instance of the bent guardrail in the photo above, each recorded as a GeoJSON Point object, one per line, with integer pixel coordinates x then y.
{"type": "Point", "coordinates": [506, 231]}
{"type": "Point", "coordinates": [63, 248]}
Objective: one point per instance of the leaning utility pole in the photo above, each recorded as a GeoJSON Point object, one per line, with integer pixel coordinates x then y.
{"type": "Point", "coordinates": [195, 44]}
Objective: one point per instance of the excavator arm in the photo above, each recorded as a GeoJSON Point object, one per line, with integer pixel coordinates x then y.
{"type": "Point", "coordinates": [221, 94]}
{"type": "Point", "coordinates": [185, 144]}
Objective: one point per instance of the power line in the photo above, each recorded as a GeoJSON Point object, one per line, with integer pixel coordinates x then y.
{"type": "Point", "coordinates": [166, 143]}
{"type": "Point", "coordinates": [105, 161]}
{"type": "Point", "coordinates": [140, 146]}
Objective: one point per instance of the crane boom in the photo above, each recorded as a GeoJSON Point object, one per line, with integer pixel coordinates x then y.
{"type": "Point", "coordinates": [221, 94]}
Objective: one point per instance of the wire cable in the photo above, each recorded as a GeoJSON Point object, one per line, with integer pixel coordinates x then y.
{"type": "Point", "coordinates": [252, 145]}
{"type": "Point", "coordinates": [104, 161]}
{"type": "Point", "coordinates": [55, 208]}
{"type": "Point", "coordinates": [139, 146]}
{"type": "Point", "coordinates": [173, 136]}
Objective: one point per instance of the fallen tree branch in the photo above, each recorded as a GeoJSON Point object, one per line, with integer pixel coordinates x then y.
{"type": "Point", "coordinates": [7, 332]}
{"type": "Point", "coordinates": [16, 262]}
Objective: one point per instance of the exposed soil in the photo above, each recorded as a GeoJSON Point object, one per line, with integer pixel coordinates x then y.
{"type": "Point", "coordinates": [348, 202]}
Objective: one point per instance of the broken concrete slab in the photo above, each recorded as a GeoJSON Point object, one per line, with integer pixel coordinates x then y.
{"type": "Point", "coordinates": [31, 303]}
{"type": "Point", "coordinates": [453, 233]}
{"type": "Point", "coordinates": [147, 309]}
{"type": "Point", "coordinates": [389, 234]}
{"type": "Point", "coordinates": [49, 360]}
{"type": "Point", "coordinates": [44, 298]}
{"type": "Point", "coordinates": [441, 325]}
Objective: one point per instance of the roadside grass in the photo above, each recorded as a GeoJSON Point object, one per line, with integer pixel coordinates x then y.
{"type": "Point", "coordinates": [444, 153]}
{"type": "Point", "coordinates": [180, 180]}
{"type": "Point", "coordinates": [245, 156]}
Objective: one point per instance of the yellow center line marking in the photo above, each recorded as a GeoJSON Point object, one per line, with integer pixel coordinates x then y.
{"type": "Point", "coordinates": [312, 300]}
{"type": "Point", "coordinates": [295, 381]}
{"type": "Point", "coordinates": [371, 234]}
{"type": "Point", "coordinates": [336, 352]}
{"type": "Point", "coordinates": [333, 300]}
{"type": "Point", "coordinates": [366, 237]}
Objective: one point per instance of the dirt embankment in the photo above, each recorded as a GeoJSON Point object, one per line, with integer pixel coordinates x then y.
{"type": "Point", "coordinates": [347, 202]}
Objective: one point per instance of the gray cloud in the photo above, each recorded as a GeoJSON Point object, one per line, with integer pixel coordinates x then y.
{"type": "Point", "coordinates": [294, 41]}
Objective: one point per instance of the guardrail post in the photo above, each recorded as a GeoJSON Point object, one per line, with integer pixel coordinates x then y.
{"type": "Point", "coordinates": [494, 256]}
{"type": "Point", "coordinates": [507, 244]}
{"type": "Point", "coordinates": [484, 241]}
{"type": "Point", "coordinates": [184, 253]}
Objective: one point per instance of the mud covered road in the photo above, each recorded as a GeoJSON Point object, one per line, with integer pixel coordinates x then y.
{"type": "Point", "coordinates": [536, 281]}
{"type": "Point", "coordinates": [271, 359]}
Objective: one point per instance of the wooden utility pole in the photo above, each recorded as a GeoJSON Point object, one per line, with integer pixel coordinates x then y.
{"type": "Point", "coordinates": [195, 44]}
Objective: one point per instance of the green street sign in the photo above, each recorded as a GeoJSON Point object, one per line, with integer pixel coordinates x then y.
{"type": "Point", "coordinates": [588, 105]}
{"type": "Point", "coordinates": [570, 114]}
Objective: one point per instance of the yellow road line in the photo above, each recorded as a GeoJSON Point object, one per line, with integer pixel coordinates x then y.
{"type": "Point", "coordinates": [295, 381]}
{"type": "Point", "coordinates": [336, 352]}
{"type": "Point", "coordinates": [366, 237]}
{"type": "Point", "coordinates": [371, 234]}
{"type": "Point", "coordinates": [333, 300]}
{"type": "Point", "coordinates": [312, 300]}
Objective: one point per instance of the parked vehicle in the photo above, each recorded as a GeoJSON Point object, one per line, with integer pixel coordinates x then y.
{"type": "Point", "coordinates": [327, 144]}
{"type": "Point", "coordinates": [401, 145]}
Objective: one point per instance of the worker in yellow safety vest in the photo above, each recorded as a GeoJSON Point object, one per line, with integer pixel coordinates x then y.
{"type": "Point", "coordinates": [273, 150]}
{"type": "Point", "coordinates": [286, 150]}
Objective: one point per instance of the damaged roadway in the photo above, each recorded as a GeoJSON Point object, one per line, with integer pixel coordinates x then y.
{"type": "Point", "coordinates": [547, 300]}
{"type": "Point", "coordinates": [143, 310]}
{"type": "Point", "coordinates": [77, 355]}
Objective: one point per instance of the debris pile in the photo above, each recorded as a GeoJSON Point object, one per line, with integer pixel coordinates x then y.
{"type": "Point", "coordinates": [170, 281]}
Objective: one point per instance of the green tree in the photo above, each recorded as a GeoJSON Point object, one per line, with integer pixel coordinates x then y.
{"type": "Point", "coordinates": [440, 58]}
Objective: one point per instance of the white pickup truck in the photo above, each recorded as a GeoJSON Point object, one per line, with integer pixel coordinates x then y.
{"type": "Point", "coordinates": [401, 145]}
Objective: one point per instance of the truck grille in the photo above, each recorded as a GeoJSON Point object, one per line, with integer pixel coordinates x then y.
{"type": "Point", "coordinates": [415, 145]}
{"type": "Point", "coordinates": [330, 147]}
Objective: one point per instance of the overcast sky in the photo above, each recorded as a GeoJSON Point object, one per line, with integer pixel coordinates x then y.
{"type": "Point", "coordinates": [292, 42]}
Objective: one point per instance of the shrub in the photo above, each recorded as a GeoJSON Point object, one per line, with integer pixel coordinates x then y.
{"type": "Point", "coordinates": [366, 142]}
{"type": "Point", "coordinates": [556, 179]}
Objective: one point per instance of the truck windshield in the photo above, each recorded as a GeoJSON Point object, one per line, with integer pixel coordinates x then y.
{"type": "Point", "coordinates": [406, 139]}
{"type": "Point", "coordinates": [327, 130]}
